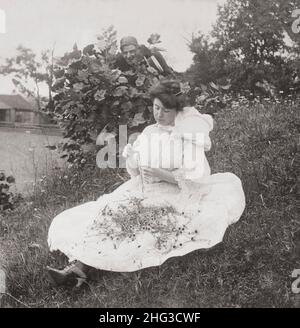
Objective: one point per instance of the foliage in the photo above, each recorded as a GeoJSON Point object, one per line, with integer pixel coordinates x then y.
{"type": "Point", "coordinates": [133, 219]}
{"type": "Point", "coordinates": [248, 46]}
{"type": "Point", "coordinates": [28, 73]}
{"type": "Point", "coordinates": [7, 199]}
{"type": "Point", "coordinates": [92, 96]}
{"type": "Point", "coordinates": [211, 98]}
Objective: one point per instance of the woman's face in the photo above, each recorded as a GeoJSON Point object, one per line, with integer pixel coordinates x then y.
{"type": "Point", "coordinates": [162, 115]}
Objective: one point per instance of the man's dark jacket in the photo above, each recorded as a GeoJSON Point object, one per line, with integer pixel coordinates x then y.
{"type": "Point", "coordinates": [152, 58]}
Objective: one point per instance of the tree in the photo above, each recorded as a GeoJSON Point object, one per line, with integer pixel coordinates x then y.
{"type": "Point", "coordinates": [28, 73]}
{"type": "Point", "coordinates": [208, 64]}
{"type": "Point", "coordinates": [248, 46]}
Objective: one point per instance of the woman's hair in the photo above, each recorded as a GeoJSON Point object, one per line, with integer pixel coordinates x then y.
{"type": "Point", "coordinates": [169, 93]}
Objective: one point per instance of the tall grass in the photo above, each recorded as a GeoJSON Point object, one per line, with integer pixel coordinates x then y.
{"type": "Point", "coordinates": [252, 266]}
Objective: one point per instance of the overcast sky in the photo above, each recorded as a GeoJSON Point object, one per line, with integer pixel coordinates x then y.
{"type": "Point", "coordinates": [38, 24]}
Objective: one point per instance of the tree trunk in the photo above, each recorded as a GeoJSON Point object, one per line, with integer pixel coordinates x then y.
{"type": "Point", "coordinates": [38, 98]}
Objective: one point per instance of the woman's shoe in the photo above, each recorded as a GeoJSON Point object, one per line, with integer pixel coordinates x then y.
{"type": "Point", "coordinates": [71, 275]}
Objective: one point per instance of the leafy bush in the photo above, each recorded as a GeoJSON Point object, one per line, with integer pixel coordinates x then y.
{"type": "Point", "coordinates": [7, 198]}
{"type": "Point", "coordinates": [210, 98]}
{"type": "Point", "coordinates": [92, 96]}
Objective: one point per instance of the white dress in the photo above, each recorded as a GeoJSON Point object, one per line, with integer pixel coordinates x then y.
{"type": "Point", "coordinates": [142, 224]}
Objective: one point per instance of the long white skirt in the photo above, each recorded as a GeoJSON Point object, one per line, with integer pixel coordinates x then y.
{"type": "Point", "coordinates": [97, 233]}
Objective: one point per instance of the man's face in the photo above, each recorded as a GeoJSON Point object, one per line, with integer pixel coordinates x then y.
{"type": "Point", "coordinates": [129, 52]}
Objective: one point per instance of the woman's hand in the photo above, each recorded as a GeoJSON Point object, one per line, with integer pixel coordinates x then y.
{"type": "Point", "coordinates": [128, 151]}
{"type": "Point", "coordinates": [162, 174]}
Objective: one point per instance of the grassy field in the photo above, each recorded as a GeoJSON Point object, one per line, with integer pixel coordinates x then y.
{"type": "Point", "coordinates": [23, 154]}
{"type": "Point", "coordinates": [252, 266]}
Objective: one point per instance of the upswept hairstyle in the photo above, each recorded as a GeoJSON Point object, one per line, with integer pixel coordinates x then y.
{"type": "Point", "coordinates": [169, 93]}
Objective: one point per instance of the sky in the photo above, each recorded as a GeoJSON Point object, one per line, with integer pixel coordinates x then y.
{"type": "Point", "coordinates": [42, 24]}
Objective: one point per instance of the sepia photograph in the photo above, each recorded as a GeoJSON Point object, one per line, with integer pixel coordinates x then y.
{"type": "Point", "coordinates": [149, 156]}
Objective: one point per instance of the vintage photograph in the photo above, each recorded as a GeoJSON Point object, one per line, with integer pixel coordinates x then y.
{"type": "Point", "coordinates": [149, 155]}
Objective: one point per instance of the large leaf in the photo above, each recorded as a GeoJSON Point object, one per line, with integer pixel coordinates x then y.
{"type": "Point", "coordinates": [122, 80]}
{"type": "Point", "coordinates": [214, 86]}
{"type": "Point", "coordinates": [226, 87]}
{"type": "Point", "coordinates": [138, 119]}
{"type": "Point", "coordinates": [83, 76]}
{"type": "Point", "coordinates": [140, 80]}
{"type": "Point", "coordinates": [120, 91]}
{"type": "Point", "coordinates": [127, 106]}
{"type": "Point", "coordinates": [78, 86]}
{"type": "Point", "coordinates": [95, 67]}
{"type": "Point", "coordinates": [115, 74]}
{"type": "Point", "coordinates": [59, 83]}
{"type": "Point", "coordinates": [154, 39]}
{"type": "Point", "coordinates": [133, 92]}
{"type": "Point", "coordinates": [89, 50]}
{"type": "Point", "coordinates": [100, 95]}
{"type": "Point", "coordinates": [185, 87]}
{"type": "Point", "coordinates": [202, 98]}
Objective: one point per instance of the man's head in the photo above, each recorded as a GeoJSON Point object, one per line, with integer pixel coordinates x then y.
{"type": "Point", "coordinates": [129, 48]}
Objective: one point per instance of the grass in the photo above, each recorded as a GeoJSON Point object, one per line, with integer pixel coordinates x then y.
{"type": "Point", "coordinates": [23, 154]}
{"type": "Point", "coordinates": [252, 266]}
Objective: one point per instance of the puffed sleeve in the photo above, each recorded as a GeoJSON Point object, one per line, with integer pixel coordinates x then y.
{"type": "Point", "coordinates": [193, 130]}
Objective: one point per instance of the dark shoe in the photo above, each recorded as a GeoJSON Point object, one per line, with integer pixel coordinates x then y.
{"type": "Point", "coordinates": [71, 276]}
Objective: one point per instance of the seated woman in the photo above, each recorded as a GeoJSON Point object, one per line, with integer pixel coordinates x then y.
{"type": "Point", "coordinates": [171, 206]}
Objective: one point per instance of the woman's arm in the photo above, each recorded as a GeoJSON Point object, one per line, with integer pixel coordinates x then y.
{"type": "Point", "coordinates": [162, 174]}
{"type": "Point", "coordinates": [131, 163]}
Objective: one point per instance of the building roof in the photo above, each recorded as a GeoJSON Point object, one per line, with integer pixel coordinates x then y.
{"type": "Point", "coordinates": [15, 101]}
{"type": "Point", "coordinates": [3, 105]}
